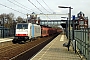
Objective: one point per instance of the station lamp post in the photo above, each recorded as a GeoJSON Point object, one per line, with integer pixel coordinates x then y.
{"type": "Point", "coordinates": [69, 19]}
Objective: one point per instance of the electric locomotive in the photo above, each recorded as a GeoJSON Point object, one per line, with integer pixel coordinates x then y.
{"type": "Point", "coordinates": [26, 31]}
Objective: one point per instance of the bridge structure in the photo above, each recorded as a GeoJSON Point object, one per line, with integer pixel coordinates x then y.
{"type": "Point", "coordinates": [52, 22]}
{"type": "Point", "coordinates": [49, 19]}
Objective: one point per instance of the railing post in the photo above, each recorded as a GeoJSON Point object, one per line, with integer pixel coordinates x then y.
{"type": "Point", "coordinates": [89, 44]}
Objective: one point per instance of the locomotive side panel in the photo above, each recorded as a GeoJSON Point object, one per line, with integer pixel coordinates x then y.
{"type": "Point", "coordinates": [32, 31]}
{"type": "Point", "coordinates": [29, 30]}
{"type": "Point", "coordinates": [37, 30]}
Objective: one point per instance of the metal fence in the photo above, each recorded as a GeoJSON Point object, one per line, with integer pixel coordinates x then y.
{"type": "Point", "coordinates": [7, 33]}
{"type": "Point", "coordinates": [82, 38]}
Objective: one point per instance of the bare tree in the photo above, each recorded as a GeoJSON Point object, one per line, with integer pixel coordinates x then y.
{"type": "Point", "coordinates": [8, 20]}
{"type": "Point", "coordinates": [19, 19]}
{"type": "Point", "coordinates": [2, 16]}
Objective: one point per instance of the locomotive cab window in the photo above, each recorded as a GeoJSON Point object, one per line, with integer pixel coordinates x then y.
{"type": "Point", "coordinates": [22, 26]}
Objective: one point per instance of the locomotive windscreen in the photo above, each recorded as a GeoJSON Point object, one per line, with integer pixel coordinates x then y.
{"type": "Point", "coordinates": [22, 26]}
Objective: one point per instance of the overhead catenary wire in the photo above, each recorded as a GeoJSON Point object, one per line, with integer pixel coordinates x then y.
{"type": "Point", "coordinates": [42, 6]}
{"type": "Point", "coordinates": [47, 5]}
{"type": "Point", "coordinates": [18, 5]}
{"type": "Point", "coordinates": [12, 9]}
{"type": "Point", "coordinates": [37, 8]}
{"type": "Point", "coordinates": [22, 5]}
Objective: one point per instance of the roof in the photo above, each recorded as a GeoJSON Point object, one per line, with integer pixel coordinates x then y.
{"type": "Point", "coordinates": [80, 12]}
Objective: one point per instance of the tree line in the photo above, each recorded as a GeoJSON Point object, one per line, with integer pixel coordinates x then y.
{"type": "Point", "coordinates": [10, 21]}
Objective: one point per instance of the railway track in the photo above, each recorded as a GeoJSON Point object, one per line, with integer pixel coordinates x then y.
{"type": "Point", "coordinates": [18, 51]}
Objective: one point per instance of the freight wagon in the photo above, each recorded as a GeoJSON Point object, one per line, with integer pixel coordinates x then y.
{"type": "Point", "coordinates": [44, 31]}
{"type": "Point", "coordinates": [47, 31]}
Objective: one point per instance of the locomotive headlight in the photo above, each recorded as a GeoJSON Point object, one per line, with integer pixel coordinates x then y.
{"type": "Point", "coordinates": [26, 37]}
{"type": "Point", "coordinates": [16, 37]}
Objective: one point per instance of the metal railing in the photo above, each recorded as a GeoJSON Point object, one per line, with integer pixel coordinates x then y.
{"type": "Point", "coordinates": [7, 33]}
{"type": "Point", "coordinates": [82, 38]}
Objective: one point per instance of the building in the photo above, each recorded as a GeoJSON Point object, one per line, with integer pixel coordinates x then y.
{"type": "Point", "coordinates": [81, 21]}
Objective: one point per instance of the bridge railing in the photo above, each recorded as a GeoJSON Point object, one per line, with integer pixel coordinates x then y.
{"type": "Point", "coordinates": [82, 38]}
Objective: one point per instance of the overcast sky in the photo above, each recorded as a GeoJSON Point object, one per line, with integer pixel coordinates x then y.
{"type": "Point", "coordinates": [77, 5]}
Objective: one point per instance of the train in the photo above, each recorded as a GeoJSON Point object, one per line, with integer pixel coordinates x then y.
{"type": "Point", "coordinates": [47, 31]}
{"type": "Point", "coordinates": [29, 31]}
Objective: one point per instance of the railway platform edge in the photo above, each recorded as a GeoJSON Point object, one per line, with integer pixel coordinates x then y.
{"type": "Point", "coordinates": [6, 39]}
{"type": "Point", "coordinates": [55, 51]}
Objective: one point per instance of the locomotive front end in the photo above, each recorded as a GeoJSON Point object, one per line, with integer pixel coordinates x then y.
{"type": "Point", "coordinates": [21, 32]}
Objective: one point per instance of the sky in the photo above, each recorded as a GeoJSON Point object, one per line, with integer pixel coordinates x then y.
{"type": "Point", "coordinates": [25, 6]}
